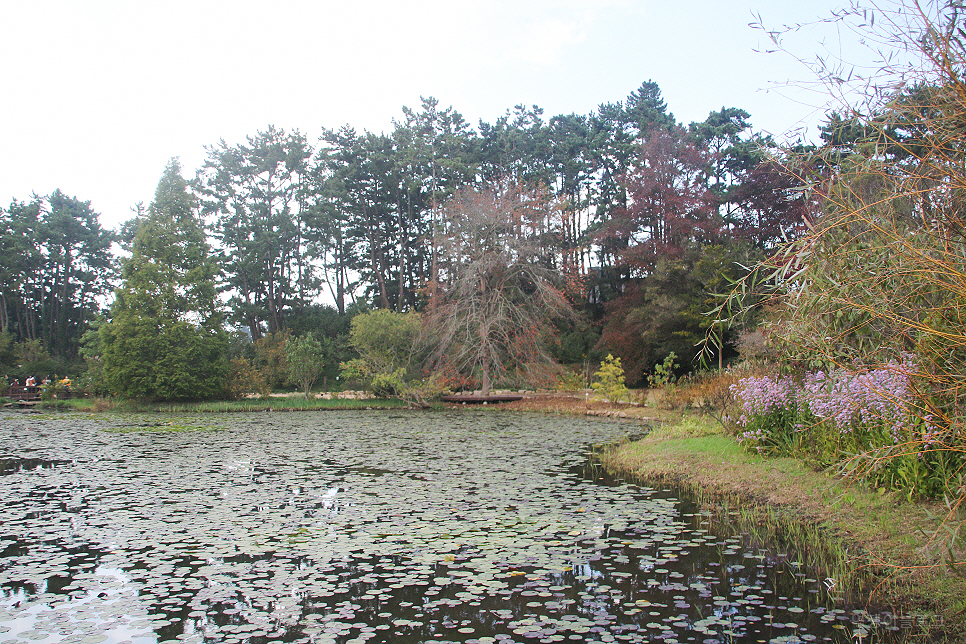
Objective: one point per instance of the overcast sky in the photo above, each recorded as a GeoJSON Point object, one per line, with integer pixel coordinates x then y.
{"type": "Point", "coordinates": [99, 94]}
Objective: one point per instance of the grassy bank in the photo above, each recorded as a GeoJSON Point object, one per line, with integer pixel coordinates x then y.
{"type": "Point", "coordinates": [286, 403]}
{"type": "Point", "coordinates": [895, 546]}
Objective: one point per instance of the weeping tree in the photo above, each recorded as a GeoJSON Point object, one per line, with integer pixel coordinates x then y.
{"type": "Point", "coordinates": [499, 292]}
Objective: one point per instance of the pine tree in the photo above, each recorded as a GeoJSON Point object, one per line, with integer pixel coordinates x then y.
{"type": "Point", "coordinates": [165, 340]}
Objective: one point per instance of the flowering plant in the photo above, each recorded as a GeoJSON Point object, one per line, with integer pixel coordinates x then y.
{"type": "Point", "coordinates": [771, 413]}
{"type": "Point", "coordinates": [850, 401]}
{"type": "Point", "coordinates": [871, 422]}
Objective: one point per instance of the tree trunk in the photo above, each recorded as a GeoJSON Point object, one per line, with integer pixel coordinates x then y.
{"type": "Point", "coordinates": [486, 384]}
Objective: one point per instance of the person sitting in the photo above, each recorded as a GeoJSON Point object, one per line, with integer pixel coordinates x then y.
{"type": "Point", "coordinates": [31, 382]}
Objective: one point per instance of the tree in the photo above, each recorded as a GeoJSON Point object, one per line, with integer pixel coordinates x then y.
{"type": "Point", "coordinates": [269, 357]}
{"type": "Point", "coordinates": [305, 358]}
{"type": "Point", "coordinates": [609, 381]}
{"type": "Point", "coordinates": [498, 296]}
{"type": "Point", "coordinates": [670, 204]}
{"type": "Point", "coordinates": [730, 155]}
{"type": "Point", "coordinates": [377, 202]}
{"type": "Point", "coordinates": [390, 354]}
{"type": "Point", "coordinates": [770, 205]}
{"type": "Point", "coordinates": [56, 267]}
{"type": "Point", "coordinates": [255, 192]}
{"type": "Point", "coordinates": [165, 339]}
{"type": "Point", "coordinates": [876, 283]}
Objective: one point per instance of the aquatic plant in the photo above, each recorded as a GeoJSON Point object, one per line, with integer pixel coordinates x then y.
{"type": "Point", "coordinates": [380, 527]}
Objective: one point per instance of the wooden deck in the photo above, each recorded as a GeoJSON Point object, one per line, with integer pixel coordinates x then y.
{"type": "Point", "coordinates": [470, 399]}
{"type": "Point", "coordinates": [20, 393]}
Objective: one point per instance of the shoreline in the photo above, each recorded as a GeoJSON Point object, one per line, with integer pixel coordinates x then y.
{"type": "Point", "coordinates": [897, 540]}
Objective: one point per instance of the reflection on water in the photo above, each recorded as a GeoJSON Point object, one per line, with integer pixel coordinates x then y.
{"type": "Point", "coordinates": [14, 464]}
{"type": "Point", "coordinates": [372, 526]}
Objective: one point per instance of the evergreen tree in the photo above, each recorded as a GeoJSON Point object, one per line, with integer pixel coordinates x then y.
{"type": "Point", "coordinates": [165, 340]}
{"type": "Point", "coordinates": [55, 265]}
{"type": "Point", "coordinates": [256, 193]}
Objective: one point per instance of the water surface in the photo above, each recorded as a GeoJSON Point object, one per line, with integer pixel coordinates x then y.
{"type": "Point", "coordinates": [325, 527]}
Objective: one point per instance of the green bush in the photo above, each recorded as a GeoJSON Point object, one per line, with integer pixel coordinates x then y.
{"type": "Point", "coordinates": [609, 383]}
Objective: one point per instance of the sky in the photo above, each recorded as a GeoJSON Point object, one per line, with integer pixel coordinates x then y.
{"type": "Point", "coordinates": [98, 95]}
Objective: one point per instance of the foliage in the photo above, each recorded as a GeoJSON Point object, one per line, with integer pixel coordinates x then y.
{"type": "Point", "coordinates": [880, 273]}
{"type": "Point", "coordinates": [57, 389]}
{"type": "Point", "coordinates": [666, 311]}
{"type": "Point", "coordinates": [255, 192]}
{"type": "Point", "coordinates": [305, 358]}
{"type": "Point", "coordinates": [56, 267]}
{"type": "Point", "coordinates": [8, 356]}
{"type": "Point", "coordinates": [865, 422]}
{"type": "Point", "coordinates": [175, 362]}
{"type": "Point", "coordinates": [606, 194]}
{"type": "Point", "coordinates": [245, 379]}
{"type": "Point", "coordinates": [771, 414]}
{"type": "Point", "coordinates": [31, 358]}
{"type": "Point", "coordinates": [94, 382]}
{"type": "Point", "coordinates": [609, 381]}
{"type": "Point", "coordinates": [664, 372]}
{"type": "Point", "coordinates": [671, 204]}
{"type": "Point", "coordinates": [165, 340]}
{"type": "Point", "coordinates": [270, 357]}
{"type": "Point", "coordinates": [708, 392]}
{"type": "Point", "coordinates": [387, 340]}
{"type": "Point", "coordinates": [571, 381]}
{"type": "Point", "coordinates": [390, 350]}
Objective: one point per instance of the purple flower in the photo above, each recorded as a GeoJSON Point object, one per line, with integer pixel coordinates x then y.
{"type": "Point", "coordinates": [848, 399]}
{"type": "Point", "coordinates": [761, 396]}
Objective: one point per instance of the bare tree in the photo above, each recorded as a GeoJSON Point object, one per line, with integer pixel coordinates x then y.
{"type": "Point", "coordinates": [499, 291]}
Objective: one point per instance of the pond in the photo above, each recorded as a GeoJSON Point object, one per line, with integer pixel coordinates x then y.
{"type": "Point", "coordinates": [346, 527]}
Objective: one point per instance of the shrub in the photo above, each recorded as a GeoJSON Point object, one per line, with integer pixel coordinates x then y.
{"type": "Point", "coordinates": [245, 379]}
{"type": "Point", "coordinates": [305, 358]}
{"type": "Point", "coordinates": [609, 383]}
{"type": "Point", "coordinates": [708, 392]}
{"type": "Point", "coordinates": [270, 357]}
{"type": "Point", "coordinates": [664, 372]}
{"type": "Point", "coordinates": [570, 381]}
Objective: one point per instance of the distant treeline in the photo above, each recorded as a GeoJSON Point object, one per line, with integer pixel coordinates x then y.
{"type": "Point", "coordinates": [643, 220]}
